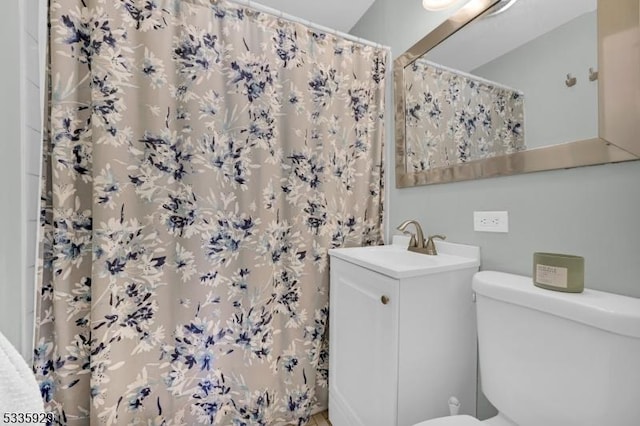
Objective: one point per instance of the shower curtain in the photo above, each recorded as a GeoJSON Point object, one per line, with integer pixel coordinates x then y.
{"type": "Point", "coordinates": [200, 159]}
{"type": "Point", "coordinates": [454, 117]}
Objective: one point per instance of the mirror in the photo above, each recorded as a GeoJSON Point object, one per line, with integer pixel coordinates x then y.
{"type": "Point", "coordinates": [487, 92]}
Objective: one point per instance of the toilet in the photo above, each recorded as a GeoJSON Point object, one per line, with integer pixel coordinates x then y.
{"type": "Point", "coordinates": [555, 359]}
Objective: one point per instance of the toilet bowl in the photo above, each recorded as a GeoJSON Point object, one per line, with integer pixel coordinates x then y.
{"type": "Point", "coordinates": [465, 420]}
{"type": "Point", "coordinates": [555, 359]}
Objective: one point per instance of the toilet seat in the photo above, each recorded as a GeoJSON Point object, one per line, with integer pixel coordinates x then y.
{"type": "Point", "coordinates": [462, 420]}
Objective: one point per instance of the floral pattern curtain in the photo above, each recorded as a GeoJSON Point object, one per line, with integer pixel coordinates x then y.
{"type": "Point", "coordinates": [201, 158]}
{"type": "Point", "coordinates": [454, 117]}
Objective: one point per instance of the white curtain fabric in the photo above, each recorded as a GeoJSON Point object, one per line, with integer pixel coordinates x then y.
{"type": "Point", "coordinates": [20, 400]}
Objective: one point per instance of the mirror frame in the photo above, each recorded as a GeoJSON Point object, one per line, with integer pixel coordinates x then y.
{"type": "Point", "coordinates": [618, 103]}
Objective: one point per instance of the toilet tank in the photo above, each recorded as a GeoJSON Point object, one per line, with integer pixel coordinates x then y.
{"type": "Point", "coordinates": [558, 359]}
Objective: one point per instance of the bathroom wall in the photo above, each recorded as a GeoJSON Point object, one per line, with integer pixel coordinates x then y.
{"type": "Point", "coordinates": [11, 211]}
{"type": "Point", "coordinates": [19, 167]}
{"type": "Point", "coordinates": [589, 211]}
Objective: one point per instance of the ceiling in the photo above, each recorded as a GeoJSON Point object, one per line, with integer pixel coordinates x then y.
{"type": "Point", "coordinates": [341, 15]}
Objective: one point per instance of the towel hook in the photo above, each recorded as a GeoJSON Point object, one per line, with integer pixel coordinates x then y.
{"type": "Point", "coordinates": [593, 75]}
{"type": "Point", "coordinates": [570, 81]}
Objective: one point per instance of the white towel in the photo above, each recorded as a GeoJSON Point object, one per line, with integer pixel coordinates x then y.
{"type": "Point", "coordinates": [19, 392]}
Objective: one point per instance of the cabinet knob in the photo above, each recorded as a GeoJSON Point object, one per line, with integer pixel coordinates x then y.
{"type": "Point", "coordinates": [384, 300]}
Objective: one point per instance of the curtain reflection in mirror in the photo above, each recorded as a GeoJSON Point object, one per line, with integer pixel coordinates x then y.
{"type": "Point", "coordinates": [454, 117]}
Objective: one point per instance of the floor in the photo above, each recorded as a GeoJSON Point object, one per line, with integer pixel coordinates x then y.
{"type": "Point", "coordinates": [320, 419]}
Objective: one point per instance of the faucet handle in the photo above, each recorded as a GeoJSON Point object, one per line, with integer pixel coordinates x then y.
{"type": "Point", "coordinates": [431, 246]}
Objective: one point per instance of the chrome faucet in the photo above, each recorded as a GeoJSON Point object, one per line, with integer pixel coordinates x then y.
{"type": "Point", "coordinates": [417, 242]}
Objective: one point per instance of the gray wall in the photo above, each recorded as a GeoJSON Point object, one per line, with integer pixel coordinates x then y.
{"type": "Point", "coordinates": [11, 210]}
{"type": "Point", "coordinates": [20, 125]}
{"type": "Point", "coordinates": [590, 211]}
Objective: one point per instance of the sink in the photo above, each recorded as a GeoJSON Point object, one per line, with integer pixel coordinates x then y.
{"type": "Point", "coordinates": [395, 261]}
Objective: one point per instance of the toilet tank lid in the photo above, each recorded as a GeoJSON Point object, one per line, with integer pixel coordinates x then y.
{"type": "Point", "coordinates": [612, 312]}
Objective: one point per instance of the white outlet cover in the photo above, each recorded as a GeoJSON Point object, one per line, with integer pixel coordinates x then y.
{"type": "Point", "coordinates": [491, 221]}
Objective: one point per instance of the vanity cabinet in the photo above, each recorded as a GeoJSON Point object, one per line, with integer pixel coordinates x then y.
{"type": "Point", "coordinates": [402, 339]}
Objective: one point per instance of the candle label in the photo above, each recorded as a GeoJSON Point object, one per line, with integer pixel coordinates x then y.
{"type": "Point", "coordinates": [552, 275]}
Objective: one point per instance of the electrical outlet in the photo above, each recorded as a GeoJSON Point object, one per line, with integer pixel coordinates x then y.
{"type": "Point", "coordinates": [491, 221]}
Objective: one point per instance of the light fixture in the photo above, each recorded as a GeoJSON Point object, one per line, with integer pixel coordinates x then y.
{"type": "Point", "coordinates": [500, 7]}
{"type": "Point", "coordinates": [437, 4]}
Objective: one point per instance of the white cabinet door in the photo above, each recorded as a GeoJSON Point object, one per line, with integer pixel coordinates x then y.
{"type": "Point", "coordinates": [363, 344]}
